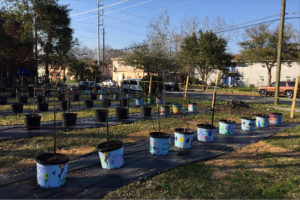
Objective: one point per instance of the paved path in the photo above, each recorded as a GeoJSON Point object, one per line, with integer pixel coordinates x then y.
{"type": "Point", "coordinates": [87, 180]}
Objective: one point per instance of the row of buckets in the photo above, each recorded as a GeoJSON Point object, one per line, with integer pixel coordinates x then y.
{"type": "Point", "coordinates": [111, 153]}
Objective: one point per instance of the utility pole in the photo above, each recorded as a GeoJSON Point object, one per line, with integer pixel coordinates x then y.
{"type": "Point", "coordinates": [100, 23]}
{"type": "Point", "coordinates": [279, 52]}
{"type": "Point", "coordinates": [103, 56]}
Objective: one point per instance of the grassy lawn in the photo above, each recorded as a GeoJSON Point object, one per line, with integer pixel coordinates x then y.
{"type": "Point", "coordinates": [268, 169]}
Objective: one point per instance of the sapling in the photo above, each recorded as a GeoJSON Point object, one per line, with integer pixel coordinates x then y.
{"type": "Point", "coordinates": [54, 134]}
{"type": "Point", "coordinates": [263, 112]}
{"type": "Point", "coordinates": [252, 104]}
{"type": "Point", "coordinates": [107, 129]}
{"type": "Point", "coordinates": [230, 106]}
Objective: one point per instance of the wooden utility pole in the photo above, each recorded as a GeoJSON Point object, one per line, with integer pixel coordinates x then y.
{"type": "Point", "coordinates": [279, 52]}
{"type": "Point", "coordinates": [103, 57]}
{"type": "Point", "coordinates": [295, 97]}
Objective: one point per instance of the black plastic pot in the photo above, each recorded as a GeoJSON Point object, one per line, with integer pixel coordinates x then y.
{"type": "Point", "coordinates": [64, 105]}
{"type": "Point", "coordinates": [93, 96]}
{"type": "Point", "coordinates": [122, 113]}
{"type": "Point", "coordinates": [116, 97]}
{"type": "Point", "coordinates": [32, 122]}
{"type": "Point", "coordinates": [69, 119]}
{"type": "Point", "coordinates": [32, 93]}
{"type": "Point", "coordinates": [47, 93]}
{"type": "Point", "coordinates": [2, 89]}
{"type": "Point", "coordinates": [61, 97]}
{"type": "Point", "coordinates": [106, 102]}
{"type": "Point", "coordinates": [30, 88]}
{"type": "Point", "coordinates": [101, 115]}
{"type": "Point", "coordinates": [43, 106]}
{"type": "Point", "coordinates": [146, 111]}
{"type": "Point", "coordinates": [76, 97]}
{"type": "Point", "coordinates": [124, 102]}
{"type": "Point", "coordinates": [23, 99]}
{"type": "Point", "coordinates": [13, 94]}
{"type": "Point", "coordinates": [40, 98]}
{"type": "Point", "coordinates": [17, 108]}
{"type": "Point", "coordinates": [3, 100]}
{"type": "Point", "coordinates": [88, 103]}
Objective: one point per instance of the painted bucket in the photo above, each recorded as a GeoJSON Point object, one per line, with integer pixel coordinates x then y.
{"type": "Point", "coordinates": [159, 144]}
{"type": "Point", "coordinates": [99, 91]}
{"type": "Point", "coordinates": [87, 92]}
{"type": "Point", "coordinates": [128, 96]}
{"type": "Point", "coordinates": [139, 102]}
{"type": "Point", "coordinates": [112, 159]}
{"type": "Point", "coordinates": [74, 91]}
{"type": "Point", "coordinates": [205, 133]}
{"type": "Point", "coordinates": [192, 107]}
{"type": "Point", "coordinates": [150, 101]}
{"type": "Point", "coordinates": [184, 140]}
{"type": "Point", "coordinates": [165, 110]}
{"type": "Point", "coordinates": [159, 100]}
{"type": "Point", "coordinates": [51, 175]}
{"type": "Point", "coordinates": [226, 128]}
{"type": "Point", "coordinates": [59, 88]}
{"type": "Point", "coordinates": [262, 121]}
{"type": "Point", "coordinates": [45, 88]}
{"type": "Point", "coordinates": [275, 118]}
{"type": "Point", "coordinates": [102, 96]}
{"type": "Point", "coordinates": [248, 124]}
{"type": "Point", "coordinates": [177, 108]}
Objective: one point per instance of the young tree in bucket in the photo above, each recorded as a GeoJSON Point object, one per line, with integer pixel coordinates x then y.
{"type": "Point", "coordinates": [230, 106]}
{"type": "Point", "coordinates": [251, 109]}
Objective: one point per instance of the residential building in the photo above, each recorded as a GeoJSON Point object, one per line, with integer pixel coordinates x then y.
{"type": "Point", "coordinates": [254, 74]}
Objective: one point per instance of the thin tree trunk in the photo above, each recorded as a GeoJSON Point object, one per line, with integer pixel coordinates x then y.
{"type": "Point", "coordinates": [269, 76]}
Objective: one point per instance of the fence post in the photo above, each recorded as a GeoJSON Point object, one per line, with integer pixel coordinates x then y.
{"type": "Point", "coordinates": [214, 96]}
{"type": "Point", "coordinates": [295, 97]}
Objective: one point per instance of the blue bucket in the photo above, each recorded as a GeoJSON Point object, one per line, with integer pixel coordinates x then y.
{"type": "Point", "coordinates": [99, 91]}
{"type": "Point", "coordinates": [192, 107]}
{"type": "Point", "coordinates": [159, 144]}
{"type": "Point", "coordinates": [226, 128]}
{"type": "Point", "coordinates": [205, 134]}
{"type": "Point", "coordinates": [51, 175]}
{"type": "Point", "coordinates": [184, 140]}
{"type": "Point", "coordinates": [139, 102]}
{"type": "Point", "coordinates": [262, 121]}
{"type": "Point", "coordinates": [275, 118]}
{"type": "Point", "coordinates": [112, 159]}
{"type": "Point", "coordinates": [248, 124]}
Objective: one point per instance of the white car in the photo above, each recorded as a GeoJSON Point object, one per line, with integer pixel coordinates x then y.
{"type": "Point", "coordinates": [110, 83]}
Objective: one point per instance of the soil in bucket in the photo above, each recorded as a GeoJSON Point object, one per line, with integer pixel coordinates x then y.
{"type": "Point", "coordinates": [121, 113]}
{"type": "Point", "coordinates": [64, 105]}
{"type": "Point", "coordinates": [32, 122]}
{"type": "Point", "coordinates": [101, 115]}
{"type": "Point", "coordinates": [184, 138]}
{"type": "Point", "coordinates": [43, 106]}
{"type": "Point", "coordinates": [262, 121]}
{"type": "Point", "coordinates": [124, 102]}
{"type": "Point", "coordinates": [23, 99]}
{"type": "Point", "coordinates": [205, 133]}
{"type": "Point", "coordinates": [3, 100]}
{"type": "Point", "coordinates": [17, 108]}
{"type": "Point", "coordinates": [226, 127]}
{"type": "Point", "coordinates": [248, 124]}
{"type": "Point", "coordinates": [88, 103]}
{"type": "Point", "coordinates": [111, 154]}
{"type": "Point", "coordinates": [69, 119]}
{"type": "Point", "coordinates": [76, 97]}
{"type": "Point", "coordinates": [146, 111]}
{"type": "Point", "coordinates": [52, 173]}
{"type": "Point", "coordinates": [159, 143]}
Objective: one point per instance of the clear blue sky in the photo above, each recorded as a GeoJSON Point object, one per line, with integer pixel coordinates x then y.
{"type": "Point", "coordinates": [238, 11]}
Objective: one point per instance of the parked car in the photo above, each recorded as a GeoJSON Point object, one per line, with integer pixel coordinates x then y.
{"type": "Point", "coordinates": [134, 85]}
{"type": "Point", "coordinates": [172, 86]}
{"type": "Point", "coordinates": [110, 83]}
{"type": "Point", "coordinates": [286, 88]}
{"type": "Point", "coordinates": [88, 85]}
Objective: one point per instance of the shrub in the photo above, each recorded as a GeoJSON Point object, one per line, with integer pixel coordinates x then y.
{"type": "Point", "coordinates": [252, 85]}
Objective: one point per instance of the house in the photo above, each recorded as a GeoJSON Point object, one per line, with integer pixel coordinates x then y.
{"type": "Point", "coordinates": [254, 74]}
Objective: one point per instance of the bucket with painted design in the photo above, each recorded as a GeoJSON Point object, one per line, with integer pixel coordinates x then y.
{"type": "Point", "coordinates": [159, 100]}
{"type": "Point", "coordinates": [192, 107]}
{"type": "Point", "coordinates": [159, 143]}
{"type": "Point", "coordinates": [164, 110]}
{"type": "Point", "coordinates": [226, 128]}
{"type": "Point", "coordinates": [128, 96]}
{"type": "Point", "coordinates": [111, 154]}
{"type": "Point", "coordinates": [262, 121]}
{"type": "Point", "coordinates": [275, 118]}
{"type": "Point", "coordinates": [99, 91]}
{"type": "Point", "coordinates": [139, 102]}
{"type": "Point", "coordinates": [177, 108]}
{"type": "Point", "coordinates": [184, 138]}
{"type": "Point", "coordinates": [52, 173]}
{"type": "Point", "coordinates": [150, 101]}
{"type": "Point", "coordinates": [248, 124]}
{"type": "Point", "coordinates": [102, 96]}
{"type": "Point", "coordinates": [205, 133]}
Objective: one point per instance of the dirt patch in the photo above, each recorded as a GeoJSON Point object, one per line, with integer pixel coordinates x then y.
{"type": "Point", "coordinates": [247, 156]}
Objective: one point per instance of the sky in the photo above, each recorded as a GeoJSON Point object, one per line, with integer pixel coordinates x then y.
{"type": "Point", "coordinates": [122, 28]}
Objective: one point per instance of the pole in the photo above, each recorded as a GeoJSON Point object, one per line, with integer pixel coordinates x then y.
{"type": "Point", "coordinates": [186, 87]}
{"type": "Point", "coordinates": [279, 52]}
{"type": "Point", "coordinates": [295, 97]}
{"type": "Point", "coordinates": [214, 100]}
{"type": "Point", "coordinates": [150, 86]}
{"type": "Point", "coordinates": [54, 135]}
{"type": "Point", "coordinates": [103, 57]}
{"type": "Point", "coordinates": [98, 32]}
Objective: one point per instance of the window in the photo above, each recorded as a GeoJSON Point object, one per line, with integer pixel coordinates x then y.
{"type": "Point", "coordinates": [129, 67]}
{"type": "Point", "coordinates": [262, 78]}
{"type": "Point", "coordinates": [125, 82]}
{"type": "Point", "coordinates": [133, 83]}
{"type": "Point", "coordinates": [122, 64]}
{"type": "Point", "coordinates": [289, 64]}
{"type": "Point", "coordinates": [282, 84]}
{"type": "Point", "coordinates": [263, 65]}
{"type": "Point", "coordinates": [288, 78]}
{"type": "Point", "coordinates": [117, 64]}
{"type": "Point", "coordinates": [273, 84]}
{"type": "Point", "coordinates": [242, 77]}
